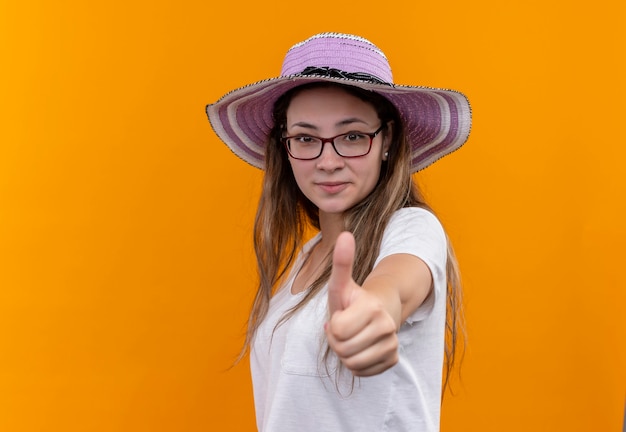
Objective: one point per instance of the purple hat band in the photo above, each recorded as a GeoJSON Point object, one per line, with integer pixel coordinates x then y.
{"type": "Point", "coordinates": [436, 121]}
{"type": "Point", "coordinates": [346, 53]}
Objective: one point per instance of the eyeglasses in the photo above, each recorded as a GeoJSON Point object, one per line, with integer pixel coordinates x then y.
{"type": "Point", "coordinates": [348, 145]}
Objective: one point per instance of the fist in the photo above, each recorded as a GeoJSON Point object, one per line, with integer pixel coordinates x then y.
{"type": "Point", "coordinates": [360, 331]}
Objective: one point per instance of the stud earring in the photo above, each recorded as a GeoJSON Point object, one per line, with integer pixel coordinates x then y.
{"type": "Point", "coordinates": [386, 154]}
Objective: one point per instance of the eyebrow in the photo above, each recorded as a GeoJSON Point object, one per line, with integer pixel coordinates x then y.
{"type": "Point", "coordinates": [344, 122]}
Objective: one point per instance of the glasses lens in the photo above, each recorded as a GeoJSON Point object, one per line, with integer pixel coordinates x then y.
{"type": "Point", "coordinates": [352, 144]}
{"type": "Point", "coordinates": [304, 147]}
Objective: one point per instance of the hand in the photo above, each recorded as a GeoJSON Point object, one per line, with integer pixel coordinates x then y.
{"type": "Point", "coordinates": [360, 331]}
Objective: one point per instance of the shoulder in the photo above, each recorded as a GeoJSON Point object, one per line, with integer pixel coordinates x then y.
{"type": "Point", "coordinates": [415, 216]}
{"type": "Point", "coordinates": [414, 220]}
{"type": "Point", "coordinates": [416, 231]}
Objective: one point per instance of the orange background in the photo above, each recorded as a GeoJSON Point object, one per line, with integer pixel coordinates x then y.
{"type": "Point", "coordinates": [126, 268]}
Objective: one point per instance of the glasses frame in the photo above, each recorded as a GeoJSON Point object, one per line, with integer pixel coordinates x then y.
{"type": "Point", "coordinates": [331, 140]}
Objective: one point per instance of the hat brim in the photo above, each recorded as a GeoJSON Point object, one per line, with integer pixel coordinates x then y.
{"type": "Point", "coordinates": [437, 121]}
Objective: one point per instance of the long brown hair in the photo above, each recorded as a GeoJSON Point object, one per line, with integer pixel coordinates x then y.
{"type": "Point", "coordinates": [285, 215]}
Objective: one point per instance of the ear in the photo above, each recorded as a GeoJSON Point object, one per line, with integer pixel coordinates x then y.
{"type": "Point", "coordinates": [388, 134]}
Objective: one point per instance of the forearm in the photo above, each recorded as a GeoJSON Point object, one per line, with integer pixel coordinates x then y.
{"type": "Point", "coordinates": [388, 296]}
{"type": "Point", "coordinates": [402, 282]}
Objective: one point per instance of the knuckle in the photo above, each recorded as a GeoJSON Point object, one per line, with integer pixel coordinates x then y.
{"type": "Point", "coordinates": [390, 327]}
{"type": "Point", "coordinates": [351, 364]}
{"type": "Point", "coordinates": [392, 350]}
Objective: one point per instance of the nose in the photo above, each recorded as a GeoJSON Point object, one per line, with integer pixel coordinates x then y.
{"type": "Point", "coordinates": [329, 160]}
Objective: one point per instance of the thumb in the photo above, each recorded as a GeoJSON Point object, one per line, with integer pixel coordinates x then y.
{"type": "Point", "coordinates": [340, 281]}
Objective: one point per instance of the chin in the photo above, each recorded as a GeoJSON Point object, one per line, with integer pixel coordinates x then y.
{"type": "Point", "coordinates": [333, 209]}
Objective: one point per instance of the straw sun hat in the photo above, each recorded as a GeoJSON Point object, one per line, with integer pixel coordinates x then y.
{"type": "Point", "coordinates": [437, 121]}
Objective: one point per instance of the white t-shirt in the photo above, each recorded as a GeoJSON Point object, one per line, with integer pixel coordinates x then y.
{"type": "Point", "coordinates": [294, 390]}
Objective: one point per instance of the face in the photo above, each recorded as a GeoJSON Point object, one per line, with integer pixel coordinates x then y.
{"type": "Point", "coordinates": [334, 183]}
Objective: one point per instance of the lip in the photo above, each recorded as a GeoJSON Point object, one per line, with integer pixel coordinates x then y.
{"type": "Point", "coordinates": [332, 187]}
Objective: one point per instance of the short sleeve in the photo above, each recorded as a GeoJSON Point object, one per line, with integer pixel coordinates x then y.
{"type": "Point", "coordinates": [416, 231]}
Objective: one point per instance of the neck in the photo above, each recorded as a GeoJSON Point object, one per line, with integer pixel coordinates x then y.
{"type": "Point", "coordinates": [331, 225]}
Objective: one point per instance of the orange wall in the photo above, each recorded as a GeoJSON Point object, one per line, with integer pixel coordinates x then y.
{"type": "Point", "coordinates": [125, 261]}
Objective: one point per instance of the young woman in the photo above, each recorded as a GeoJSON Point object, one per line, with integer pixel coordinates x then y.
{"type": "Point", "coordinates": [348, 329]}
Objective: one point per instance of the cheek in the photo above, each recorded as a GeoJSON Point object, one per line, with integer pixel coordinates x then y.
{"type": "Point", "coordinates": [299, 173]}
{"type": "Point", "coordinates": [374, 175]}
{"type": "Point", "coordinates": [373, 179]}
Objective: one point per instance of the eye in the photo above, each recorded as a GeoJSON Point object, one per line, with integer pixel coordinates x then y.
{"type": "Point", "coordinates": [354, 137]}
{"type": "Point", "coordinates": [303, 139]}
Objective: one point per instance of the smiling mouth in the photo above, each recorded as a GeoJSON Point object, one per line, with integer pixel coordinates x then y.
{"type": "Point", "coordinates": [332, 187]}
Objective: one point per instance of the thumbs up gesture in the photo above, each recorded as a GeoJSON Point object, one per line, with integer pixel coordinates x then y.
{"type": "Point", "coordinates": [361, 331]}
